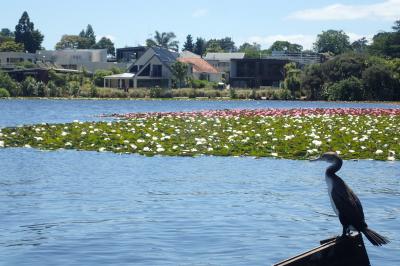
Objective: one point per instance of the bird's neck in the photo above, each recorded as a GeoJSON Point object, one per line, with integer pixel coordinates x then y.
{"type": "Point", "coordinates": [334, 167]}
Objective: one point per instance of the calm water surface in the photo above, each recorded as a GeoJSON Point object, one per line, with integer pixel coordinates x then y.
{"type": "Point", "coordinates": [89, 208]}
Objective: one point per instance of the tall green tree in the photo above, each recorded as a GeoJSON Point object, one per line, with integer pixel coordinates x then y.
{"type": "Point", "coordinates": [333, 41]}
{"type": "Point", "coordinates": [11, 46]}
{"type": "Point", "coordinates": [286, 46]}
{"type": "Point", "coordinates": [180, 71]}
{"type": "Point", "coordinates": [188, 45]}
{"type": "Point", "coordinates": [251, 50]}
{"type": "Point", "coordinates": [213, 46]}
{"type": "Point", "coordinates": [72, 42]}
{"type": "Point", "coordinates": [292, 78]}
{"type": "Point", "coordinates": [226, 44]}
{"type": "Point", "coordinates": [105, 43]}
{"type": "Point", "coordinates": [360, 45]}
{"type": "Point", "coordinates": [5, 32]}
{"type": "Point", "coordinates": [200, 46]}
{"type": "Point", "coordinates": [164, 40]}
{"type": "Point", "coordinates": [387, 44]}
{"type": "Point", "coordinates": [89, 34]}
{"type": "Point", "coordinates": [26, 34]}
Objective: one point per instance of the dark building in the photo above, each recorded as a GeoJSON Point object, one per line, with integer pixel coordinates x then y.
{"type": "Point", "coordinates": [254, 73]}
{"type": "Point", "coordinates": [130, 54]}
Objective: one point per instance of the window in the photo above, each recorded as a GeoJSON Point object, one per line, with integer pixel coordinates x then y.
{"type": "Point", "coordinates": [157, 71]}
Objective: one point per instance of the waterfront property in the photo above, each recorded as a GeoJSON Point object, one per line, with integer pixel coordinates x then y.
{"type": "Point", "coordinates": [200, 68]}
{"type": "Point", "coordinates": [255, 73]}
{"type": "Point", "coordinates": [130, 54]}
{"type": "Point", "coordinates": [222, 62]}
{"type": "Point", "coordinates": [153, 68]}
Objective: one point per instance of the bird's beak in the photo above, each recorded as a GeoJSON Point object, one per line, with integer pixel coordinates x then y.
{"type": "Point", "coordinates": [315, 159]}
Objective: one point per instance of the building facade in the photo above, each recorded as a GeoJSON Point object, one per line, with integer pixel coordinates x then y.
{"type": "Point", "coordinates": [256, 73]}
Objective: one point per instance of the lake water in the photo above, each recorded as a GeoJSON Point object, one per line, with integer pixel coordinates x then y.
{"type": "Point", "coordinates": [89, 208]}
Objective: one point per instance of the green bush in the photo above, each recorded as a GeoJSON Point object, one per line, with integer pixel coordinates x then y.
{"type": "Point", "coordinates": [99, 76]}
{"type": "Point", "coordinates": [350, 89]}
{"type": "Point", "coordinates": [9, 84]}
{"type": "Point", "coordinates": [4, 93]}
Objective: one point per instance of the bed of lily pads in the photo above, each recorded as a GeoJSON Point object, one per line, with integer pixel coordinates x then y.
{"type": "Point", "coordinates": [280, 133]}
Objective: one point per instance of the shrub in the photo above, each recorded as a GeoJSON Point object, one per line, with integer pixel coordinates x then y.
{"type": "Point", "coordinates": [350, 89]}
{"type": "Point", "coordinates": [9, 84]}
{"type": "Point", "coordinates": [99, 76]}
{"type": "Point", "coordinates": [4, 93]}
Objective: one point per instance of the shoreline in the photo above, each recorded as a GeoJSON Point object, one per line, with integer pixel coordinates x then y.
{"type": "Point", "coordinates": [187, 99]}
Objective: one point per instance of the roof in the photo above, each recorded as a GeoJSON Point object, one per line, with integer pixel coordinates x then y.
{"type": "Point", "coordinates": [199, 64]}
{"type": "Point", "coordinates": [166, 56]}
{"type": "Point", "coordinates": [189, 54]}
{"type": "Point", "coordinates": [224, 56]}
{"type": "Point", "coordinates": [120, 76]}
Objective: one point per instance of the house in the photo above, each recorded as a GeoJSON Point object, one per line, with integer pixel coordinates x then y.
{"type": "Point", "coordinates": [153, 68]}
{"type": "Point", "coordinates": [301, 58]}
{"type": "Point", "coordinates": [77, 59]}
{"type": "Point", "coordinates": [254, 73]}
{"type": "Point", "coordinates": [130, 54]}
{"type": "Point", "coordinates": [200, 68]}
{"type": "Point", "coordinates": [222, 61]}
{"type": "Point", "coordinates": [10, 59]}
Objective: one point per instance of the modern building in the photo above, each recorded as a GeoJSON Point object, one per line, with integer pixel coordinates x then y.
{"type": "Point", "coordinates": [130, 54]}
{"type": "Point", "coordinates": [200, 68]}
{"type": "Point", "coordinates": [222, 62]}
{"type": "Point", "coordinates": [255, 73]}
{"type": "Point", "coordinates": [78, 59]}
{"type": "Point", "coordinates": [10, 59]}
{"type": "Point", "coordinates": [301, 58]}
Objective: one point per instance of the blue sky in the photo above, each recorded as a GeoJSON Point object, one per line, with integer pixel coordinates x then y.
{"type": "Point", "coordinates": [131, 22]}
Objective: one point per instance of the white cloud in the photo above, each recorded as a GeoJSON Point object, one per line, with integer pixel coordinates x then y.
{"type": "Point", "coordinates": [306, 40]}
{"type": "Point", "coordinates": [387, 10]}
{"type": "Point", "coordinates": [202, 12]}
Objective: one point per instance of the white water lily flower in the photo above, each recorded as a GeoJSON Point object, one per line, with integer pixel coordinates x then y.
{"type": "Point", "coordinates": [210, 149]}
{"type": "Point", "coordinates": [316, 142]}
{"type": "Point", "coordinates": [140, 141]}
{"type": "Point", "coordinates": [83, 133]}
{"type": "Point", "coordinates": [27, 146]}
{"type": "Point", "coordinates": [133, 146]}
{"type": "Point", "coordinates": [351, 151]}
{"type": "Point", "coordinates": [102, 149]}
{"type": "Point", "coordinates": [38, 138]}
{"type": "Point", "coordinates": [274, 154]}
{"type": "Point", "coordinates": [174, 147]}
{"type": "Point", "coordinates": [160, 149]}
{"type": "Point", "coordinates": [1, 144]}
{"type": "Point", "coordinates": [64, 133]}
{"type": "Point", "coordinates": [377, 152]}
{"type": "Point", "coordinates": [146, 149]}
{"type": "Point", "coordinates": [68, 144]}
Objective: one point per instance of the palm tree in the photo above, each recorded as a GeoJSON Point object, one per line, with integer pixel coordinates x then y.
{"type": "Point", "coordinates": [164, 40]}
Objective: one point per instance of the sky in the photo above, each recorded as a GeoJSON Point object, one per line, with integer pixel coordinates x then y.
{"type": "Point", "coordinates": [131, 22]}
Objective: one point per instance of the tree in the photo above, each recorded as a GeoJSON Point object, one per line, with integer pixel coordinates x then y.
{"type": "Point", "coordinates": [387, 44]}
{"type": "Point", "coordinates": [11, 46]}
{"type": "Point", "coordinates": [89, 34]}
{"type": "Point", "coordinates": [188, 45]}
{"type": "Point", "coordinates": [9, 84]}
{"type": "Point", "coordinates": [292, 78]}
{"type": "Point", "coordinates": [200, 46]}
{"type": "Point", "coordinates": [286, 46]}
{"type": "Point", "coordinates": [26, 34]}
{"type": "Point", "coordinates": [179, 70]}
{"type": "Point", "coordinates": [251, 50]}
{"type": "Point", "coordinates": [312, 81]}
{"type": "Point", "coordinates": [105, 43]}
{"type": "Point", "coordinates": [213, 47]}
{"type": "Point", "coordinates": [72, 42]}
{"type": "Point", "coordinates": [360, 45]}
{"type": "Point", "coordinates": [5, 32]}
{"type": "Point", "coordinates": [350, 89]}
{"type": "Point", "coordinates": [396, 26]}
{"type": "Point", "coordinates": [336, 42]}
{"type": "Point", "coordinates": [164, 40]}
{"type": "Point", "coordinates": [380, 84]}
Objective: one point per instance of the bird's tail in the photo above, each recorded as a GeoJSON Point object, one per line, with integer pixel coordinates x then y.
{"type": "Point", "coordinates": [375, 238]}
